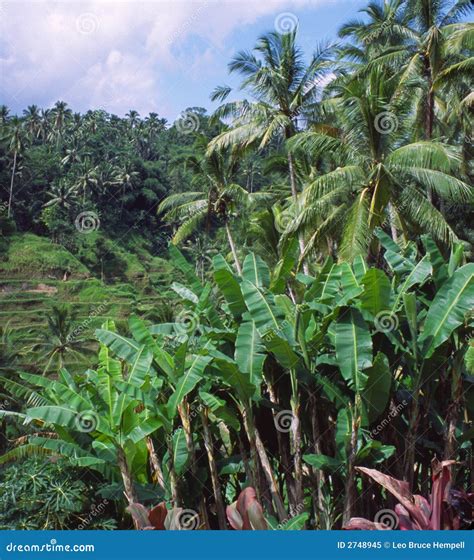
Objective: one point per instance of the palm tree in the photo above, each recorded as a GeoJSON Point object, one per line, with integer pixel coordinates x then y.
{"type": "Point", "coordinates": [87, 178]}
{"type": "Point", "coordinates": [433, 21]}
{"type": "Point", "coordinates": [216, 203]}
{"type": "Point", "coordinates": [33, 120]}
{"type": "Point", "coordinates": [125, 177]}
{"type": "Point", "coordinates": [374, 174]}
{"type": "Point", "coordinates": [15, 138]}
{"type": "Point", "coordinates": [60, 339]}
{"type": "Point", "coordinates": [62, 195]}
{"type": "Point", "coordinates": [284, 89]}
{"type": "Point", "coordinates": [4, 112]}
{"type": "Point", "coordinates": [60, 115]}
{"type": "Point", "coordinates": [133, 118]}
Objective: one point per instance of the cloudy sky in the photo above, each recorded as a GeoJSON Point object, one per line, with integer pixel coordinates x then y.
{"type": "Point", "coordinates": [155, 55]}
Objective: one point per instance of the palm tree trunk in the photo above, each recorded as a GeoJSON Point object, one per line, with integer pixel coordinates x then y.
{"type": "Point", "coordinates": [316, 432]}
{"type": "Point", "coordinates": [349, 488]}
{"type": "Point", "coordinates": [284, 453]}
{"type": "Point", "coordinates": [393, 228]}
{"type": "Point", "coordinates": [185, 420]}
{"type": "Point", "coordinates": [256, 443]}
{"type": "Point", "coordinates": [155, 464]}
{"type": "Point", "coordinates": [11, 184]}
{"type": "Point", "coordinates": [216, 487]}
{"type": "Point", "coordinates": [294, 193]}
{"type": "Point", "coordinates": [232, 248]}
{"type": "Point", "coordinates": [175, 497]}
{"type": "Point", "coordinates": [429, 116]}
{"type": "Point", "coordinates": [297, 457]}
{"type": "Point", "coordinates": [128, 484]}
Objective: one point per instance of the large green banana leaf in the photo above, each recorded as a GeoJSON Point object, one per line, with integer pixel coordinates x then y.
{"type": "Point", "coordinates": [229, 286]}
{"type": "Point", "coordinates": [249, 351]}
{"type": "Point", "coordinates": [353, 347]}
{"type": "Point", "coordinates": [188, 381]}
{"type": "Point", "coordinates": [448, 309]}
{"type": "Point", "coordinates": [256, 270]}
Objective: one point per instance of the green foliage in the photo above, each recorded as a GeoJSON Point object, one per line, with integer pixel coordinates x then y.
{"type": "Point", "coordinates": [46, 494]}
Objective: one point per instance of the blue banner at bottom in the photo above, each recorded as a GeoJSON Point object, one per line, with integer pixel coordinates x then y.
{"type": "Point", "coordinates": [241, 545]}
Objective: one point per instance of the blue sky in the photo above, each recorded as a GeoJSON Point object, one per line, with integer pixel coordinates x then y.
{"type": "Point", "coordinates": [157, 55]}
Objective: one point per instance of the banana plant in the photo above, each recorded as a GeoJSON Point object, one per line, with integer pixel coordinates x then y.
{"type": "Point", "coordinates": [99, 420]}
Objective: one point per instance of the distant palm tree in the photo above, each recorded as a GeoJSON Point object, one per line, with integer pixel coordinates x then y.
{"type": "Point", "coordinates": [217, 201]}
{"type": "Point", "coordinates": [4, 112]}
{"type": "Point", "coordinates": [33, 120]}
{"type": "Point", "coordinates": [60, 339]}
{"type": "Point", "coordinates": [15, 138]}
{"type": "Point", "coordinates": [133, 118]}
{"type": "Point", "coordinates": [62, 195]}
{"type": "Point", "coordinates": [87, 178]}
{"type": "Point", "coordinates": [283, 88]}
{"type": "Point", "coordinates": [60, 114]}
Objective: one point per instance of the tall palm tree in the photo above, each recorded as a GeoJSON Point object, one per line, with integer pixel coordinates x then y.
{"type": "Point", "coordinates": [433, 21]}
{"type": "Point", "coordinates": [60, 340]}
{"type": "Point", "coordinates": [216, 203]}
{"type": "Point", "coordinates": [133, 118]}
{"type": "Point", "coordinates": [60, 114]}
{"type": "Point", "coordinates": [87, 178]}
{"type": "Point", "coordinates": [283, 88]}
{"type": "Point", "coordinates": [62, 195]}
{"type": "Point", "coordinates": [4, 112]}
{"type": "Point", "coordinates": [15, 137]}
{"type": "Point", "coordinates": [33, 120]}
{"type": "Point", "coordinates": [374, 174]}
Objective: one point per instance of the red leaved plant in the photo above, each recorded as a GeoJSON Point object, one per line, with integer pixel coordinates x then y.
{"type": "Point", "coordinates": [148, 520]}
{"type": "Point", "coordinates": [415, 512]}
{"type": "Point", "coordinates": [246, 514]}
{"type": "Point", "coordinates": [160, 518]}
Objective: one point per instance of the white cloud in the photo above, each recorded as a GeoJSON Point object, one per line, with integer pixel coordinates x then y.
{"type": "Point", "coordinates": [116, 54]}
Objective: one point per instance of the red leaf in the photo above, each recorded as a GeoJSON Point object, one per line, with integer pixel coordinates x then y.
{"type": "Point", "coordinates": [401, 491]}
{"type": "Point", "coordinates": [157, 516]}
{"type": "Point", "coordinates": [440, 491]}
{"type": "Point", "coordinates": [233, 517]}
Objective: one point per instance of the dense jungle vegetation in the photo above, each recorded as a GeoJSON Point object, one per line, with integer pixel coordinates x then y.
{"type": "Point", "coordinates": [259, 318]}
